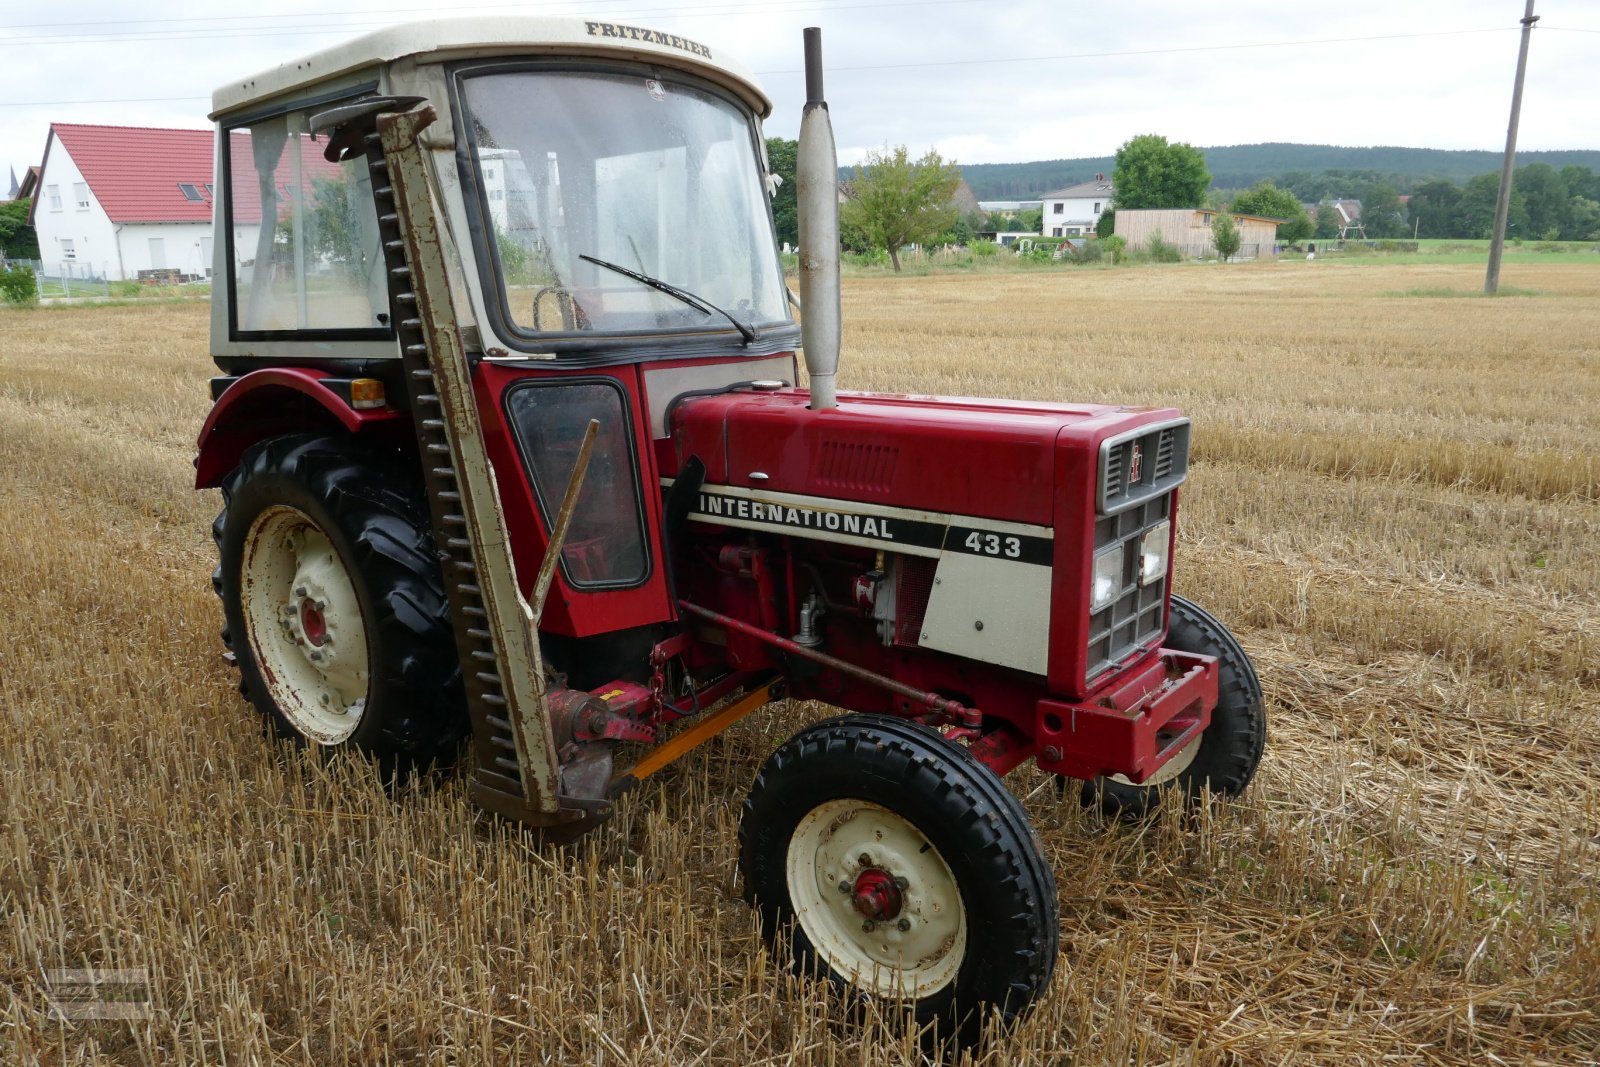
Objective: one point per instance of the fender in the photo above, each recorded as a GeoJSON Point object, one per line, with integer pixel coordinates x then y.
{"type": "Point", "coordinates": [272, 401]}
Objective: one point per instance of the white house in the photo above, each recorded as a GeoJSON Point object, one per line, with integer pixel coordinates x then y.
{"type": "Point", "coordinates": [115, 200]}
{"type": "Point", "coordinates": [1075, 210]}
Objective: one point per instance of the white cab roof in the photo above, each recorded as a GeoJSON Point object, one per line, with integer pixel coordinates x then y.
{"type": "Point", "coordinates": [467, 38]}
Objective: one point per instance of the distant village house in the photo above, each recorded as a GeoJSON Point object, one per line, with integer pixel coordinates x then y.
{"type": "Point", "coordinates": [1076, 210]}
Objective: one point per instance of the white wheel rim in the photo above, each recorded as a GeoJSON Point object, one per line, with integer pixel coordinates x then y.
{"type": "Point", "coordinates": [1169, 770]}
{"type": "Point", "coordinates": [913, 952]}
{"type": "Point", "coordinates": [294, 589]}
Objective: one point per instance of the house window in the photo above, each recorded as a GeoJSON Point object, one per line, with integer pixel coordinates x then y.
{"type": "Point", "coordinates": [189, 191]}
{"type": "Point", "coordinates": [211, 192]}
{"type": "Point", "coordinates": [80, 193]}
{"type": "Point", "coordinates": [54, 193]}
{"type": "Point", "coordinates": [1060, 208]}
{"type": "Point", "coordinates": [1097, 207]}
{"type": "Point", "coordinates": [68, 252]}
{"type": "Point", "coordinates": [1056, 232]}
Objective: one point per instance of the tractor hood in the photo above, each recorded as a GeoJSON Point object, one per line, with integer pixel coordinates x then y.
{"type": "Point", "coordinates": [956, 455]}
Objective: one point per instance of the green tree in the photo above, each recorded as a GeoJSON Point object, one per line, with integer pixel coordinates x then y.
{"type": "Point", "coordinates": [1150, 172]}
{"type": "Point", "coordinates": [901, 201]}
{"type": "Point", "coordinates": [1380, 212]}
{"type": "Point", "coordinates": [1267, 200]}
{"type": "Point", "coordinates": [1545, 196]}
{"type": "Point", "coordinates": [1328, 221]}
{"type": "Point", "coordinates": [17, 239]}
{"type": "Point", "coordinates": [1225, 235]}
{"type": "Point", "coordinates": [1106, 224]}
{"type": "Point", "coordinates": [1029, 221]}
{"type": "Point", "coordinates": [781, 156]}
{"type": "Point", "coordinates": [1435, 209]}
{"type": "Point", "coordinates": [1583, 220]}
{"type": "Point", "coordinates": [1478, 198]}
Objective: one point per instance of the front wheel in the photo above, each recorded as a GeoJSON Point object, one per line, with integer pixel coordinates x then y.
{"type": "Point", "coordinates": [1224, 758]}
{"type": "Point", "coordinates": [901, 868]}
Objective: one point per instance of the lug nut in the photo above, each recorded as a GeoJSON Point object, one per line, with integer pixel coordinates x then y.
{"type": "Point", "coordinates": [904, 925]}
{"type": "Point", "coordinates": [325, 699]}
{"type": "Point", "coordinates": [321, 606]}
{"type": "Point", "coordinates": [316, 657]}
{"type": "Point", "coordinates": [300, 591]}
{"type": "Point", "coordinates": [869, 926]}
{"type": "Point", "coordinates": [864, 859]}
{"type": "Point", "coordinates": [844, 887]}
{"type": "Point", "coordinates": [900, 883]}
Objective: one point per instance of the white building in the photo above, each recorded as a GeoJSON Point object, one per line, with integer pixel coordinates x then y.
{"type": "Point", "coordinates": [1076, 210]}
{"type": "Point", "coordinates": [116, 200]}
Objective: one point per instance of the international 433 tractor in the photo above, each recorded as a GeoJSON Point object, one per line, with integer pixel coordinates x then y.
{"type": "Point", "coordinates": [515, 456]}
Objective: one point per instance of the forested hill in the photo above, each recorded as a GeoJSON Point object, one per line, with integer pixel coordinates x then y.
{"type": "Point", "coordinates": [1238, 166]}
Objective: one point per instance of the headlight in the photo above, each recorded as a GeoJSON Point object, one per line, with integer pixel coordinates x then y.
{"type": "Point", "coordinates": [1107, 580]}
{"type": "Point", "coordinates": [1153, 548]}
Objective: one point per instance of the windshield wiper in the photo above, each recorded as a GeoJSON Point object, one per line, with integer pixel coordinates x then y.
{"type": "Point", "coordinates": [696, 302]}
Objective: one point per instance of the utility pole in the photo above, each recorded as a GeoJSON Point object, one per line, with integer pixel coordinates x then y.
{"type": "Point", "coordinates": [1502, 206]}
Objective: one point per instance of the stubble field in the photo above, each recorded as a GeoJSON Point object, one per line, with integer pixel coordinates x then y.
{"type": "Point", "coordinates": [1395, 502]}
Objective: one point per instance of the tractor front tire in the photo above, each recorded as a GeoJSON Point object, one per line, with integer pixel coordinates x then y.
{"type": "Point", "coordinates": [335, 611]}
{"type": "Point", "coordinates": [893, 862]}
{"type": "Point", "coordinates": [1225, 756]}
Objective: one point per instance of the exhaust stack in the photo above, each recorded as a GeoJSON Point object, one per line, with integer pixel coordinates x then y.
{"type": "Point", "coordinates": [817, 197]}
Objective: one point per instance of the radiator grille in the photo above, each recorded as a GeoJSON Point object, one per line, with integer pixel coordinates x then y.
{"type": "Point", "coordinates": [1136, 618]}
{"type": "Point", "coordinates": [1161, 465]}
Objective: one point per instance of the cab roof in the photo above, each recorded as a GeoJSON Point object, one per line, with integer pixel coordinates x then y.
{"type": "Point", "coordinates": [470, 38]}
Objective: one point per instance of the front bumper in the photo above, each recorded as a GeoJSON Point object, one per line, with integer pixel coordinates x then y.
{"type": "Point", "coordinates": [1135, 725]}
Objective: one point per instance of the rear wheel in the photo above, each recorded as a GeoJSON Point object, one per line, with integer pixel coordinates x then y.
{"type": "Point", "coordinates": [901, 868]}
{"type": "Point", "coordinates": [335, 611]}
{"type": "Point", "coordinates": [1224, 758]}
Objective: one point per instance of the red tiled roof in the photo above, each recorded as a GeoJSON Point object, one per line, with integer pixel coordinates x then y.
{"type": "Point", "coordinates": [134, 172]}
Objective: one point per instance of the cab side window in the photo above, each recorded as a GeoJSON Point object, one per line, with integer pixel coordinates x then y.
{"type": "Point", "coordinates": [304, 233]}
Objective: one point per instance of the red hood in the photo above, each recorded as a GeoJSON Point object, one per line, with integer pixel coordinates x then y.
{"type": "Point", "coordinates": [959, 455]}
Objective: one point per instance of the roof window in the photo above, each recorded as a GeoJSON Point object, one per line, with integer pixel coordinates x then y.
{"type": "Point", "coordinates": [190, 192]}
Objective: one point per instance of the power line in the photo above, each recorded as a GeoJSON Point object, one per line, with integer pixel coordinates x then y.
{"type": "Point", "coordinates": [1188, 49]}
{"type": "Point", "coordinates": [375, 19]}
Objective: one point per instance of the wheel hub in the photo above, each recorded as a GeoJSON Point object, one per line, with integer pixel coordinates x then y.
{"type": "Point", "coordinates": [313, 623]}
{"type": "Point", "coordinates": [876, 896]}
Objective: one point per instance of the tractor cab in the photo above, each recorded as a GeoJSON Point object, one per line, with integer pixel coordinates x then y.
{"type": "Point", "coordinates": [606, 191]}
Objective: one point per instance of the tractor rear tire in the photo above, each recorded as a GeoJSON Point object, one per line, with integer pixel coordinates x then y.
{"type": "Point", "coordinates": [336, 614]}
{"type": "Point", "coordinates": [894, 863]}
{"type": "Point", "coordinates": [1226, 755]}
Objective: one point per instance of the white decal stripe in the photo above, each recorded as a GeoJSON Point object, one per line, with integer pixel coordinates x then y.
{"type": "Point", "coordinates": [821, 503]}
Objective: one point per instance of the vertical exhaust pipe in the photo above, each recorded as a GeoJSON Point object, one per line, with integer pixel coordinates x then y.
{"type": "Point", "coordinates": [817, 197]}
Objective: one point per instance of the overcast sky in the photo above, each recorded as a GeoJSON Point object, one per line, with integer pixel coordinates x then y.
{"type": "Point", "coordinates": [982, 80]}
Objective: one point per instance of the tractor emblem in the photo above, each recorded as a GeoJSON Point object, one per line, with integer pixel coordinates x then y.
{"type": "Point", "coordinates": [1135, 464]}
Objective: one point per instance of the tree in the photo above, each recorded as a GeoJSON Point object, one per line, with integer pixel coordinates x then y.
{"type": "Point", "coordinates": [1150, 172]}
{"type": "Point", "coordinates": [1029, 221]}
{"type": "Point", "coordinates": [900, 201]}
{"type": "Point", "coordinates": [1435, 209]}
{"type": "Point", "coordinates": [17, 239]}
{"type": "Point", "coordinates": [1106, 224]}
{"type": "Point", "coordinates": [781, 156]}
{"type": "Point", "coordinates": [1328, 221]}
{"type": "Point", "coordinates": [1545, 196]}
{"type": "Point", "coordinates": [1269, 201]}
{"type": "Point", "coordinates": [1225, 235]}
{"type": "Point", "coordinates": [1380, 212]}
{"type": "Point", "coordinates": [1478, 198]}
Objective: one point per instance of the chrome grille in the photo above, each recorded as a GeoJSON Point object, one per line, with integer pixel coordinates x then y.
{"type": "Point", "coordinates": [1135, 619]}
{"type": "Point", "coordinates": [1162, 465]}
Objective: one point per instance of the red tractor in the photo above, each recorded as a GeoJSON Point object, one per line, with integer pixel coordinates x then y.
{"type": "Point", "coordinates": [514, 449]}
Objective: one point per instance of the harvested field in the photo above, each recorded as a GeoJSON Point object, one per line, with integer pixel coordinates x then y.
{"type": "Point", "coordinates": [1395, 501]}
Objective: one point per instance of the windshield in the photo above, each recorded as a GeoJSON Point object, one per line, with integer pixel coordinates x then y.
{"type": "Point", "coordinates": [657, 176]}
